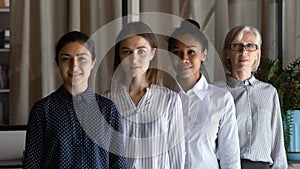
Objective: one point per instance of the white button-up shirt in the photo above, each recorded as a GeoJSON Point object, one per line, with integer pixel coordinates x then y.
{"type": "Point", "coordinates": [210, 127]}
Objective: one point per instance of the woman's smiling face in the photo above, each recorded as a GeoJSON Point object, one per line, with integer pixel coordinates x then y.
{"type": "Point", "coordinates": [187, 56]}
{"type": "Point", "coordinates": [75, 64]}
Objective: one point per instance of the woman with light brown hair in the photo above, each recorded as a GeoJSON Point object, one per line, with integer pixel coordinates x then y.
{"type": "Point", "coordinates": [151, 113]}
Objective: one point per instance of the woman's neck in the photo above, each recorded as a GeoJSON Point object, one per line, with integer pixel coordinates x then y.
{"type": "Point", "coordinates": [241, 75]}
{"type": "Point", "coordinates": [76, 90]}
{"type": "Point", "coordinates": [188, 83]}
{"type": "Point", "coordinates": [137, 87]}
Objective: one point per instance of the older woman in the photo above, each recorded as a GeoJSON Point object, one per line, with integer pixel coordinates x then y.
{"type": "Point", "coordinates": [257, 104]}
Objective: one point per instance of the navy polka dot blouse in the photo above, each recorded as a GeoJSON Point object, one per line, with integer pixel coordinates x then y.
{"type": "Point", "coordinates": [74, 132]}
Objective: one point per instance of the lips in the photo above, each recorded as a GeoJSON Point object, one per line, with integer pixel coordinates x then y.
{"type": "Point", "coordinates": [133, 67]}
{"type": "Point", "coordinates": [184, 67]}
{"type": "Point", "coordinates": [243, 60]}
{"type": "Point", "coordinates": [74, 74]}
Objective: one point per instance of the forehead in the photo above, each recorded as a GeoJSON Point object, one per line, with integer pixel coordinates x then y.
{"type": "Point", "coordinates": [74, 48]}
{"type": "Point", "coordinates": [134, 41]}
{"type": "Point", "coordinates": [187, 40]}
{"type": "Point", "coordinates": [245, 37]}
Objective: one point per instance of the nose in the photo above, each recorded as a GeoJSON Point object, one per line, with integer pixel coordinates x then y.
{"type": "Point", "coordinates": [243, 49]}
{"type": "Point", "coordinates": [184, 57]}
{"type": "Point", "coordinates": [134, 57]}
{"type": "Point", "coordinates": [74, 62]}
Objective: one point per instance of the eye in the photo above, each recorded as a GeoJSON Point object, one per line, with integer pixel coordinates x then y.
{"type": "Point", "coordinates": [251, 46]}
{"type": "Point", "coordinates": [236, 46]}
{"type": "Point", "coordinates": [65, 58]}
{"type": "Point", "coordinates": [141, 52]}
{"type": "Point", "coordinates": [81, 58]}
{"type": "Point", "coordinates": [126, 52]}
{"type": "Point", "coordinates": [192, 52]}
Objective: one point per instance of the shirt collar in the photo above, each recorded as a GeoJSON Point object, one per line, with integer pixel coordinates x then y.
{"type": "Point", "coordinates": [200, 88]}
{"type": "Point", "coordinates": [125, 88]}
{"type": "Point", "coordinates": [121, 89]}
{"type": "Point", "coordinates": [87, 96]}
{"type": "Point", "coordinates": [232, 82]}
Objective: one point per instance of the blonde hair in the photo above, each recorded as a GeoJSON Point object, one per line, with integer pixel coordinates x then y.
{"type": "Point", "coordinates": [236, 34]}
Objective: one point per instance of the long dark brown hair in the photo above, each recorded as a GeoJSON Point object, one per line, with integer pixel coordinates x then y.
{"type": "Point", "coordinates": [140, 29]}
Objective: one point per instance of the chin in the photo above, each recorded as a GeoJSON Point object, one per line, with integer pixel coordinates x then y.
{"type": "Point", "coordinates": [77, 82]}
{"type": "Point", "coordinates": [185, 75]}
{"type": "Point", "coordinates": [136, 73]}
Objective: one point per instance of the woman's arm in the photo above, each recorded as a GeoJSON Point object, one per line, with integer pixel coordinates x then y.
{"type": "Point", "coordinates": [228, 150]}
{"type": "Point", "coordinates": [278, 153]}
{"type": "Point", "coordinates": [34, 145]}
{"type": "Point", "coordinates": [176, 136]}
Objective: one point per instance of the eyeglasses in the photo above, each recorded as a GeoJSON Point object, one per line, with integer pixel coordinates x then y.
{"type": "Point", "coordinates": [239, 47]}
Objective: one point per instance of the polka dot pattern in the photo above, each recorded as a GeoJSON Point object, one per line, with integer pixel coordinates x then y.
{"type": "Point", "coordinates": [56, 137]}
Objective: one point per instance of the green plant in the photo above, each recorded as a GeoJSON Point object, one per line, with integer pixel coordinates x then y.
{"type": "Point", "coordinates": [287, 83]}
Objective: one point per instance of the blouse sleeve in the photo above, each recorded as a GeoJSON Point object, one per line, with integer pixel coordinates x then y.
{"type": "Point", "coordinates": [116, 157]}
{"type": "Point", "coordinates": [278, 153]}
{"type": "Point", "coordinates": [228, 141]}
{"type": "Point", "coordinates": [34, 147]}
{"type": "Point", "coordinates": [176, 136]}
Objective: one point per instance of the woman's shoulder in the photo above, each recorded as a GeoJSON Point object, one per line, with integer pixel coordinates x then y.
{"type": "Point", "coordinates": [47, 105]}
{"type": "Point", "coordinates": [163, 90]}
{"type": "Point", "coordinates": [219, 88]}
{"type": "Point", "coordinates": [103, 98]}
{"type": "Point", "coordinates": [49, 99]}
{"type": "Point", "coordinates": [264, 86]}
{"type": "Point", "coordinates": [220, 84]}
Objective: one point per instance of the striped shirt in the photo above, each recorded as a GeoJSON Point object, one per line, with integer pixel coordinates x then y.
{"type": "Point", "coordinates": [259, 121]}
{"type": "Point", "coordinates": [210, 127]}
{"type": "Point", "coordinates": [153, 129]}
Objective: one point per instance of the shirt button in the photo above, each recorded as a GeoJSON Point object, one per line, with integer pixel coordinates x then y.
{"type": "Point", "coordinates": [78, 98]}
{"type": "Point", "coordinates": [248, 133]}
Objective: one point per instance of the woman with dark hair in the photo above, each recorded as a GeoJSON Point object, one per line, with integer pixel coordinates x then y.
{"type": "Point", "coordinates": [210, 124]}
{"type": "Point", "coordinates": [73, 127]}
{"type": "Point", "coordinates": [151, 113]}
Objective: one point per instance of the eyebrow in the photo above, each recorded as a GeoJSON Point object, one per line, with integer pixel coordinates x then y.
{"type": "Point", "coordinates": [67, 54]}
{"type": "Point", "coordinates": [191, 46]}
{"type": "Point", "coordinates": [140, 47]}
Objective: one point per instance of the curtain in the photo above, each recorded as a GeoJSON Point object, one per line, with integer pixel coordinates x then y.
{"type": "Point", "coordinates": [216, 17]}
{"type": "Point", "coordinates": [291, 31]}
{"type": "Point", "coordinates": [36, 25]}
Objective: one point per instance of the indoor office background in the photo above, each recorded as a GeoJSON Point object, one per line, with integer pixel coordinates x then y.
{"type": "Point", "coordinates": [36, 25]}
